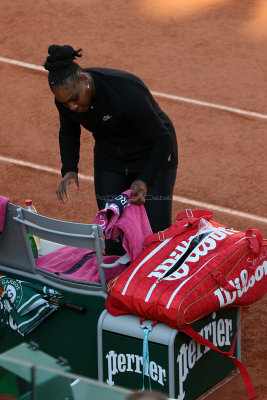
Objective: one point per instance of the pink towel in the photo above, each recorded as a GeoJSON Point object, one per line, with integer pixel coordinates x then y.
{"type": "Point", "coordinates": [3, 202]}
{"type": "Point", "coordinates": [111, 212]}
{"type": "Point", "coordinates": [136, 228]}
{"type": "Point", "coordinates": [128, 219]}
{"type": "Point", "coordinates": [77, 263]}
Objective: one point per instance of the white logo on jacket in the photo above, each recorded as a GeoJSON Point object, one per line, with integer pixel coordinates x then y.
{"type": "Point", "coordinates": [107, 117]}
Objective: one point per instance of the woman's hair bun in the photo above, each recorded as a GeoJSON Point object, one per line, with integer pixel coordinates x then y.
{"type": "Point", "coordinates": [60, 57]}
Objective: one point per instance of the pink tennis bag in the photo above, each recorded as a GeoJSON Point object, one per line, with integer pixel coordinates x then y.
{"type": "Point", "coordinates": [195, 267]}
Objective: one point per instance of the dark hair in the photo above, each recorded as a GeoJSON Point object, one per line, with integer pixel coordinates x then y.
{"type": "Point", "coordinates": [60, 64]}
{"type": "Point", "coordinates": [146, 395]}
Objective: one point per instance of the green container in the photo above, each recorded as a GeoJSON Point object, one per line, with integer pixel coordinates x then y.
{"type": "Point", "coordinates": [179, 367]}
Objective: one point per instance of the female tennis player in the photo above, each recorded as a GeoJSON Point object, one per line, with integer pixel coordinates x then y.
{"type": "Point", "coordinates": [135, 141]}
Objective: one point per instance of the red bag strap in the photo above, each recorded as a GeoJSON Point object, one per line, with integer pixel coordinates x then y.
{"type": "Point", "coordinates": [188, 213]}
{"type": "Point", "coordinates": [223, 282]}
{"type": "Point", "coordinates": [193, 217]}
{"type": "Point", "coordinates": [228, 354]}
{"type": "Point", "coordinates": [255, 239]}
{"type": "Point", "coordinates": [163, 235]}
{"type": "Point", "coordinates": [142, 319]}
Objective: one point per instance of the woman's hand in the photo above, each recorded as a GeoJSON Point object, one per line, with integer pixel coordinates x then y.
{"type": "Point", "coordinates": [139, 189]}
{"type": "Point", "coordinates": [62, 190]}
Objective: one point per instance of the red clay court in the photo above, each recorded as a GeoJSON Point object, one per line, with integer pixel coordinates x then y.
{"type": "Point", "coordinates": [205, 61]}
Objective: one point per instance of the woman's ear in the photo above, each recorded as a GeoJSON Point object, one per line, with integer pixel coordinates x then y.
{"type": "Point", "coordinates": [84, 79]}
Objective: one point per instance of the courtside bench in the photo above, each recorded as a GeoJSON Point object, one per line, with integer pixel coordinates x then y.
{"type": "Point", "coordinates": [98, 345]}
{"type": "Point", "coordinates": [66, 332]}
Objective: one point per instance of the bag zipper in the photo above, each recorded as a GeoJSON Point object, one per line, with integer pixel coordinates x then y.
{"type": "Point", "coordinates": [192, 245]}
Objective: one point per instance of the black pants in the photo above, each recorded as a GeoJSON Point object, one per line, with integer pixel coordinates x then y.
{"type": "Point", "coordinates": [158, 203]}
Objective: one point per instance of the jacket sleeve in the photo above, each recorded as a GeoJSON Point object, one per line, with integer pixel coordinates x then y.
{"type": "Point", "coordinates": [69, 142]}
{"type": "Point", "coordinates": [145, 114]}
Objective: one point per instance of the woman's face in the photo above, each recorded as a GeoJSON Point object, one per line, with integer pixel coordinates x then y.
{"type": "Point", "coordinates": [77, 96]}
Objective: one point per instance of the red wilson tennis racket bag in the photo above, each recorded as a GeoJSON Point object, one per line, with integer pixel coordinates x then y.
{"type": "Point", "coordinates": [190, 270]}
{"type": "Point", "coordinates": [195, 267]}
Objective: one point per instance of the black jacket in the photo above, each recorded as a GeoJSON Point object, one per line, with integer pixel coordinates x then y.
{"type": "Point", "coordinates": [132, 134]}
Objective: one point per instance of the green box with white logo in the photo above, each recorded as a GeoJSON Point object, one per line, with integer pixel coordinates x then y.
{"type": "Point", "coordinates": [178, 366]}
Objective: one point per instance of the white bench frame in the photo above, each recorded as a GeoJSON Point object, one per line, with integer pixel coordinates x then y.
{"type": "Point", "coordinates": [16, 255]}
